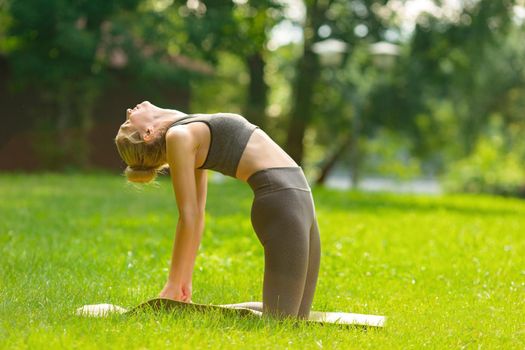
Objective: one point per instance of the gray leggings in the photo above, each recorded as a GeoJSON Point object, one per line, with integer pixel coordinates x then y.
{"type": "Point", "coordinates": [283, 217]}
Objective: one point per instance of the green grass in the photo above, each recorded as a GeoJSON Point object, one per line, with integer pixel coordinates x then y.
{"type": "Point", "coordinates": [449, 272]}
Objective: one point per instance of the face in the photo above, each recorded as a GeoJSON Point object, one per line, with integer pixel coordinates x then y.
{"type": "Point", "coordinates": [142, 118]}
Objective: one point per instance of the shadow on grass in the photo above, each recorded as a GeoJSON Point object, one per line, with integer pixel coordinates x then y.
{"type": "Point", "coordinates": [205, 314]}
{"type": "Point", "coordinates": [233, 198]}
{"type": "Point", "coordinates": [333, 200]}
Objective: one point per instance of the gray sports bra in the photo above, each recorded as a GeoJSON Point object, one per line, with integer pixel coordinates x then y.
{"type": "Point", "coordinates": [229, 135]}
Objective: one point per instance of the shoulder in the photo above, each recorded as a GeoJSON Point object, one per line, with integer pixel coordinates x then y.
{"type": "Point", "coordinates": [179, 135]}
{"type": "Point", "coordinates": [180, 147]}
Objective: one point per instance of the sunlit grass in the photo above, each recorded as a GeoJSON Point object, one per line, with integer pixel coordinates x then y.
{"type": "Point", "coordinates": [449, 272]}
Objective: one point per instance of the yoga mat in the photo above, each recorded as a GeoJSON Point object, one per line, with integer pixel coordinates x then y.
{"type": "Point", "coordinates": [161, 304]}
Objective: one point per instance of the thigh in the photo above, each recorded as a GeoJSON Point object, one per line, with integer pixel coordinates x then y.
{"type": "Point", "coordinates": [282, 214]}
{"type": "Point", "coordinates": [285, 271]}
{"type": "Point", "coordinates": [282, 222]}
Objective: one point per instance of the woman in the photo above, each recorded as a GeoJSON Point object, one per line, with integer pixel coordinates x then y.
{"type": "Point", "coordinates": [282, 213]}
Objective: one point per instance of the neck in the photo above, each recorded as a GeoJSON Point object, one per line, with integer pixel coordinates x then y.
{"type": "Point", "coordinates": [169, 116]}
{"type": "Point", "coordinates": [174, 111]}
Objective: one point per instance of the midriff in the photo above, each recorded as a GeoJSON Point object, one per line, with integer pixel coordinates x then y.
{"type": "Point", "coordinates": [261, 151]}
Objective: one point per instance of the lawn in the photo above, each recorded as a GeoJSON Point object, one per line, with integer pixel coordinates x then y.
{"type": "Point", "coordinates": [448, 271]}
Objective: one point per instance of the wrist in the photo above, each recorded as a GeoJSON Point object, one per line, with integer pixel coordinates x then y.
{"type": "Point", "coordinates": [179, 280]}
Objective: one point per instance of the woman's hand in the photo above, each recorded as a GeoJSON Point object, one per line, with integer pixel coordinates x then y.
{"type": "Point", "coordinates": [176, 291]}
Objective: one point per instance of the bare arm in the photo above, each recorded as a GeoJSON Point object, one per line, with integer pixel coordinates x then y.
{"type": "Point", "coordinates": [201, 179]}
{"type": "Point", "coordinates": [189, 185]}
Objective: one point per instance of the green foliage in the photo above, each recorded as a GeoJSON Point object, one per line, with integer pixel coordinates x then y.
{"type": "Point", "coordinates": [446, 271]}
{"type": "Point", "coordinates": [58, 40]}
{"type": "Point", "coordinates": [5, 22]}
{"type": "Point", "coordinates": [495, 166]}
{"type": "Point", "coordinates": [452, 74]}
{"type": "Point", "coordinates": [470, 63]}
{"type": "Point", "coordinates": [388, 154]}
{"type": "Point", "coordinates": [224, 93]}
{"type": "Point", "coordinates": [237, 27]}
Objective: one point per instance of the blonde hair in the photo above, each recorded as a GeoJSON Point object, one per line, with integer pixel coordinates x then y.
{"type": "Point", "coordinates": [144, 160]}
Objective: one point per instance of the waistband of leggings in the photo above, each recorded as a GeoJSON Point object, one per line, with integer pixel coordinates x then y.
{"type": "Point", "coordinates": [277, 178]}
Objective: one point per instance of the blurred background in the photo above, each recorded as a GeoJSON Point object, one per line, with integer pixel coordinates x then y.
{"type": "Point", "coordinates": [409, 96]}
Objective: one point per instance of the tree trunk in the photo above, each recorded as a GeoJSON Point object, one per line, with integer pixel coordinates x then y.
{"type": "Point", "coordinates": [355, 165]}
{"type": "Point", "coordinates": [332, 160]}
{"type": "Point", "coordinates": [58, 152]}
{"type": "Point", "coordinates": [255, 108]}
{"type": "Point", "coordinates": [307, 74]}
{"type": "Point", "coordinates": [355, 152]}
{"type": "Point", "coordinates": [85, 108]}
{"type": "Point", "coordinates": [74, 123]}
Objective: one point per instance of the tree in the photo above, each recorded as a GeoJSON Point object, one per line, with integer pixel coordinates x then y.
{"type": "Point", "coordinates": [55, 53]}
{"type": "Point", "coordinates": [339, 20]}
{"type": "Point", "coordinates": [241, 28]}
{"type": "Point", "coordinates": [445, 61]}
